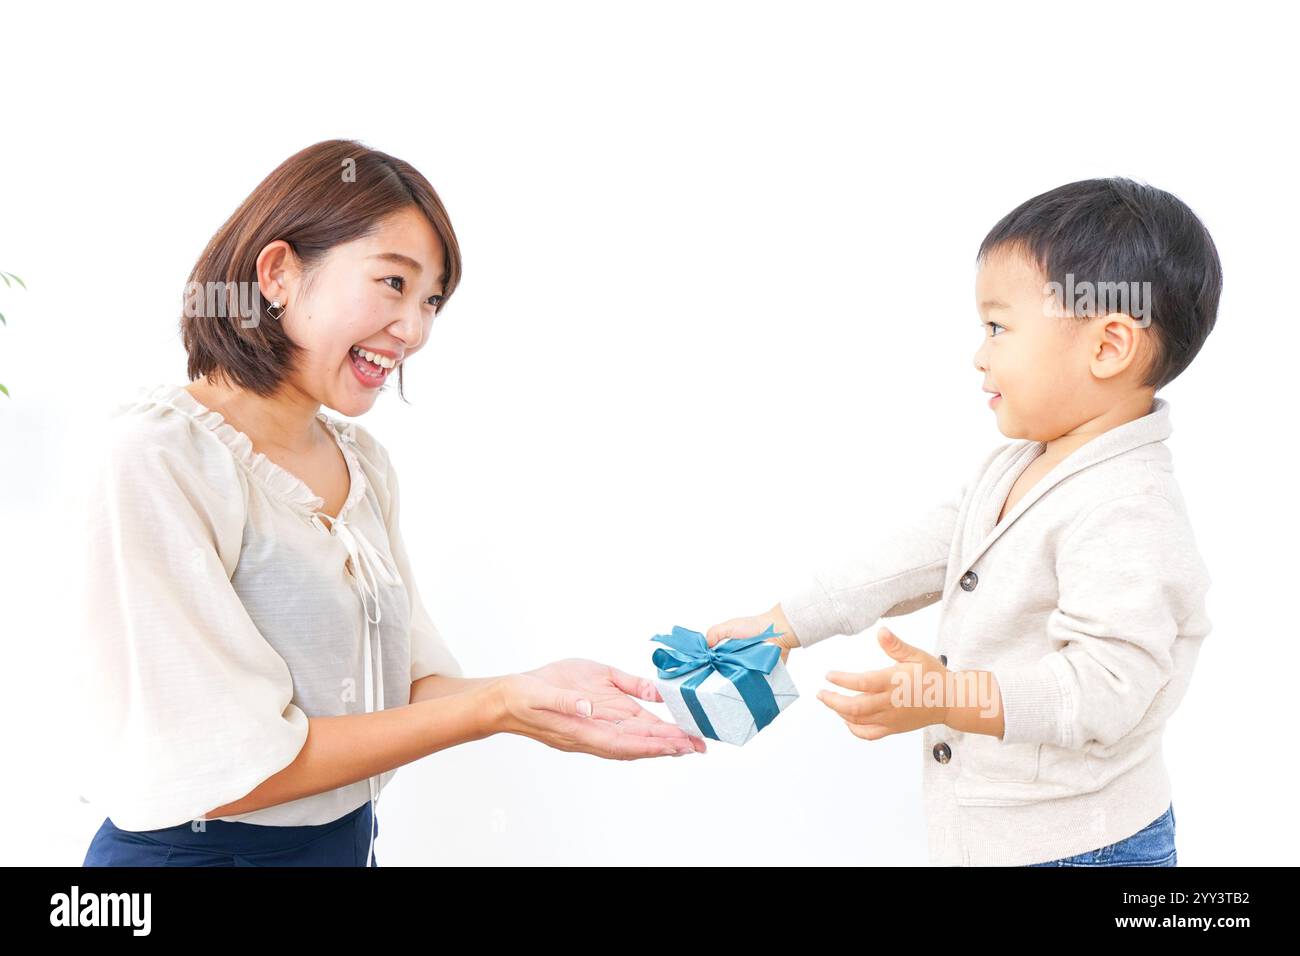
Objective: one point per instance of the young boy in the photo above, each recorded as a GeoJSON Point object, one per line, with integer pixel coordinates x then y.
{"type": "Point", "coordinates": [1073, 592]}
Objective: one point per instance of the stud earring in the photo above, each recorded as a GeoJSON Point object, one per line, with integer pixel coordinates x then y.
{"type": "Point", "coordinates": [275, 304]}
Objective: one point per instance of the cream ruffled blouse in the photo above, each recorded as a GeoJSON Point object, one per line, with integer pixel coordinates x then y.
{"type": "Point", "coordinates": [222, 608]}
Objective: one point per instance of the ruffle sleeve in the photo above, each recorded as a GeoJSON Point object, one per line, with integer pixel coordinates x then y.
{"type": "Point", "coordinates": [187, 705]}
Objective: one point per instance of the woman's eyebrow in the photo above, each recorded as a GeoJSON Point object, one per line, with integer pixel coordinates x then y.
{"type": "Point", "coordinates": [993, 304]}
{"type": "Point", "coordinates": [400, 259]}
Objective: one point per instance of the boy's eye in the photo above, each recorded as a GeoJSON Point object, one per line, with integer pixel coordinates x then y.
{"type": "Point", "coordinates": [991, 326]}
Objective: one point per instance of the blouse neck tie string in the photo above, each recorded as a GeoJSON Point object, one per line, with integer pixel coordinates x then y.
{"type": "Point", "coordinates": [369, 566]}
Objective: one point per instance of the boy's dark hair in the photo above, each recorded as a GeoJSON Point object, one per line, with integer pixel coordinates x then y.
{"type": "Point", "coordinates": [1121, 231]}
{"type": "Point", "coordinates": [327, 194]}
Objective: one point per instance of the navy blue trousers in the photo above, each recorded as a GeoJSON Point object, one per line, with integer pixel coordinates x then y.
{"type": "Point", "coordinates": [343, 842]}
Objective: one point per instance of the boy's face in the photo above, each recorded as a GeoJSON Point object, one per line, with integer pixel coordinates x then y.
{"type": "Point", "coordinates": [1039, 359]}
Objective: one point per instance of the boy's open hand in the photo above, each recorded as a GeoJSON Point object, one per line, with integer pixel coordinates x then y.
{"type": "Point", "coordinates": [908, 696]}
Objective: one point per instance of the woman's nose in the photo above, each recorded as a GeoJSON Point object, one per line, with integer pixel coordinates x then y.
{"type": "Point", "coordinates": [410, 329]}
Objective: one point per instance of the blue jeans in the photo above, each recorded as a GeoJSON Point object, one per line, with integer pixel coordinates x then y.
{"type": "Point", "coordinates": [341, 842]}
{"type": "Point", "coordinates": [1153, 845]}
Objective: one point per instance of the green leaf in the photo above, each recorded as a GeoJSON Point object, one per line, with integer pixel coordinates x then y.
{"type": "Point", "coordinates": [3, 389]}
{"type": "Point", "coordinates": [18, 280]}
{"type": "Point", "coordinates": [2, 319]}
{"type": "Point", "coordinates": [5, 276]}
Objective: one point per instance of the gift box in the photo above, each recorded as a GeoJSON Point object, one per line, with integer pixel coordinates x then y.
{"type": "Point", "coordinates": [727, 692]}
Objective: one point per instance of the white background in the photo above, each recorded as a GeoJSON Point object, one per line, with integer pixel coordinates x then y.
{"type": "Point", "coordinates": [716, 327]}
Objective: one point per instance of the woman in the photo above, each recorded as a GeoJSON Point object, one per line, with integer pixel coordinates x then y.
{"type": "Point", "coordinates": [258, 660]}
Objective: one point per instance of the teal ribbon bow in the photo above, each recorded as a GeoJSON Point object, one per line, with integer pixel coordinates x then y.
{"type": "Point", "coordinates": [744, 662]}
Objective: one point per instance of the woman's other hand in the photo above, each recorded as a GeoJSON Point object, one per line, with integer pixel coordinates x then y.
{"type": "Point", "coordinates": [584, 706]}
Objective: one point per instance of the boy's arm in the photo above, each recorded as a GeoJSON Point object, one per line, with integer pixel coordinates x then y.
{"type": "Point", "coordinates": [901, 574]}
{"type": "Point", "coordinates": [981, 709]}
{"type": "Point", "coordinates": [1131, 582]}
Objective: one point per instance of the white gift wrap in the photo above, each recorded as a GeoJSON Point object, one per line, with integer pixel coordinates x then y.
{"type": "Point", "coordinates": [722, 703]}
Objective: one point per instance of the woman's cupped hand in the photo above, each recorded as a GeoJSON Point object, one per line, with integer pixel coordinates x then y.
{"type": "Point", "coordinates": [584, 706]}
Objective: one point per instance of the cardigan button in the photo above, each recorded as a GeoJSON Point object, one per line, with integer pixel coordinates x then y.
{"type": "Point", "coordinates": [969, 580]}
{"type": "Point", "coordinates": [942, 753]}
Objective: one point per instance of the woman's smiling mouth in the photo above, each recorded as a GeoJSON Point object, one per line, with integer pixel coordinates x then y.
{"type": "Point", "coordinates": [371, 368]}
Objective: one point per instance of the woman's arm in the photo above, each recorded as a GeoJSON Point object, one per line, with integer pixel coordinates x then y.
{"type": "Point", "coordinates": [343, 750]}
{"type": "Point", "coordinates": [440, 685]}
{"type": "Point", "coordinates": [574, 705]}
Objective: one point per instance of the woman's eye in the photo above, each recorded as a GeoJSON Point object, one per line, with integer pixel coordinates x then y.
{"type": "Point", "coordinates": [434, 300]}
{"type": "Point", "coordinates": [991, 326]}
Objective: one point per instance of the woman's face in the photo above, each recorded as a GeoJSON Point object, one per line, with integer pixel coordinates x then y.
{"type": "Point", "coordinates": [377, 293]}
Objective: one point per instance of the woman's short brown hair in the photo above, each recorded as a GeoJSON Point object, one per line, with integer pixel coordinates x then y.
{"type": "Point", "coordinates": [327, 194]}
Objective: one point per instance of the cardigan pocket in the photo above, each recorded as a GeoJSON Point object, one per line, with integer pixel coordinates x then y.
{"type": "Point", "coordinates": [995, 774]}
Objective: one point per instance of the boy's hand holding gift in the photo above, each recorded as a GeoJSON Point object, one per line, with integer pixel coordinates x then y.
{"type": "Point", "coordinates": [726, 688]}
{"type": "Point", "coordinates": [917, 691]}
{"type": "Point", "coordinates": [742, 627]}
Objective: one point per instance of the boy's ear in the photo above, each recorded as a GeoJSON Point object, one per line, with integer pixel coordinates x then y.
{"type": "Point", "coordinates": [1117, 341]}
